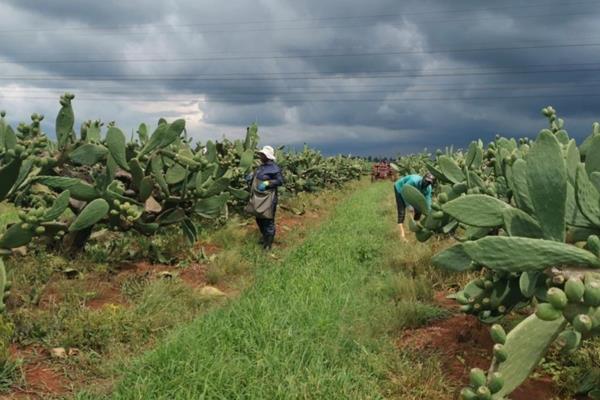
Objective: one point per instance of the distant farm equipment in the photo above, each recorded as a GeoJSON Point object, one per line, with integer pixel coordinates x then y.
{"type": "Point", "coordinates": [383, 170]}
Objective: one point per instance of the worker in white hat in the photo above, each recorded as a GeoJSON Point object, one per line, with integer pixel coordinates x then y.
{"type": "Point", "coordinates": [266, 180]}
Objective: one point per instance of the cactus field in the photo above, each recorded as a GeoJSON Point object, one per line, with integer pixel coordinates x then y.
{"type": "Point", "coordinates": [129, 270]}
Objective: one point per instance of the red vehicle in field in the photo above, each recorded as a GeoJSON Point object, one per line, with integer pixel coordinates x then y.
{"type": "Point", "coordinates": [382, 170]}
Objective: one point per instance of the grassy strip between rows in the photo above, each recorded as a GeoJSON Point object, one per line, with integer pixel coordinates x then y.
{"type": "Point", "coordinates": [313, 326]}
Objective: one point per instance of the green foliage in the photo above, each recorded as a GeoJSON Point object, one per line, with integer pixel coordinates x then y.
{"type": "Point", "coordinates": [142, 185]}
{"type": "Point", "coordinates": [528, 221]}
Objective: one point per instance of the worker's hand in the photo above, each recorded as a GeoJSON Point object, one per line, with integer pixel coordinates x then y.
{"type": "Point", "coordinates": [262, 186]}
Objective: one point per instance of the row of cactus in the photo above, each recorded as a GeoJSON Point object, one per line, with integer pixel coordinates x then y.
{"type": "Point", "coordinates": [309, 171]}
{"type": "Point", "coordinates": [65, 188]}
{"type": "Point", "coordinates": [412, 163]}
{"type": "Point", "coordinates": [526, 214]}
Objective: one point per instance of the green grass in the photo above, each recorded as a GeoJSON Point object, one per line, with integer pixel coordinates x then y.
{"type": "Point", "coordinates": [313, 326]}
{"type": "Point", "coordinates": [8, 215]}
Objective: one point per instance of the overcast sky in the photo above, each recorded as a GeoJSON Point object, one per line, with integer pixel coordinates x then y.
{"type": "Point", "coordinates": [377, 77]}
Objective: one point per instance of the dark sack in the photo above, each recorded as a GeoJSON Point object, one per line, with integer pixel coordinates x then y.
{"type": "Point", "coordinates": [261, 203]}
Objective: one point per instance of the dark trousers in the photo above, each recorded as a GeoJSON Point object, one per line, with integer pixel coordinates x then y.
{"type": "Point", "coordinates": [266, 227]}
{"type": "Point", "coordinates": [401, 207]}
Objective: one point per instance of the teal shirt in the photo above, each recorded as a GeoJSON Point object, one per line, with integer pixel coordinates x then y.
{"type": "Point", "coordinates": [414, 180]}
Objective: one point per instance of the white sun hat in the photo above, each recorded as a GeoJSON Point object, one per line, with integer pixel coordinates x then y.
{"type": "Point", "coordinates": [268, 152]}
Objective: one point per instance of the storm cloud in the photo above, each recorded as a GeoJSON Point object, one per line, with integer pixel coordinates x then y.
{"type": "Point", "coordinates": [372, 78]}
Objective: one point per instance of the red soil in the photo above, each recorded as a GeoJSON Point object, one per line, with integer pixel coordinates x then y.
{"type": "Point", "coordinates": [40, 372]}
{"type": "Point", "coordinates": [465, 343]}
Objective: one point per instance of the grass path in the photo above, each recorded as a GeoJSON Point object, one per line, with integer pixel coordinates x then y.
{"type": "Point", "coordinates": [312, 327]}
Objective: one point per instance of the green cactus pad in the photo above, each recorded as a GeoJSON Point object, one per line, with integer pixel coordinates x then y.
{"type": "Point", "coordinates": [588, 198]}
{"type": "Point", "coordinates": [88, 154]}
{"type": "Point", "coordinates": [171, 216]}
{"type": "Point", "coordinates": [137, 172]}
{"type": "Point", "coordinates": [176, 174]}
{"type": "Point", "coordinates": [529, 282]}
{"type": "Point", "coordinates": [415, 198]}
{"type": "Point", "coordinates": [595, 179]}
{"type": "Point", "coordinates": [146, 188]}
{"type": "Point", "coordinates": [79, 189]}
{"type": "Point", "coordinates": [240, 194]}
{"type": "Point", "coordinates": [211, 207]}
{"type": "Point", "coordinates": [4, 286]}
{"type": "Point", "coordinates": [189, 230]}
{"type": "Point", "coordinates": [474, 153]}
{"type": "Point", "coordinates": [8, 177]}
{"type": "Point", "coordinates": [439, 175]}
{"type": "Point", "coordinates": [423, 235]}
{"type": "Point", "coordinates": [547, 182]}
{"type": "Point", "coordinates": [413, 226]}
{"type": "Point", "coordinates": [116, 143]}
{"type": "Point", "coordinates": [251, 137]}
{"type": "Point", "coordinates": [146, 229]}
{"type": "Point", "coordinates": [155, 140]}
{"type": "Point", "coordinates": [156, 166]}
{"type": "Point", "coordinates": [64, 124]}
{"type": "Point", "coordinates": [246, 159]}
{"type": "Point", "coordinates": [10, 139]}
{"type": "Point", "coordinates": [516, 254]}
{"type": "Point", "coordinates": [573, 160]}
{"type": "Point", "coordinates": [216, 187]}
{"type": "Point", "coordinates": [90, 215]}
{"type": "Point", "coordinates": [15, 236]}
{"type": "Point", "coordinates": [143, 133]}
{"type": "Point", "coordinates": [58, 207]}
{"type": "Point", "coordinates": [519, 223]}
{"type": "Point", "coordinates": [174, 131]}
{"type": "Point", "coordinates": [526, 344]}
{"type": "Point", "coordinates": [477, 210]}
{"type": "Point", "coordinates": [520, 188]}
{"type": "Point", "coordinates": [454, 258]}
{"type": "Point", "coordinates": [592, 164]}
{"type": "Point", "coordinates": [211, 152]}
{"type": "Point", "coordinates": [450, 169]}
{"type": "Point", "coordinates": [93, 133]}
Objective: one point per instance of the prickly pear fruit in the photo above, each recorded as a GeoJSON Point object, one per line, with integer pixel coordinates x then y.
{"type": "Point", "coordinates": [468, 394]}
{"type": "Point", "coordinates": [547, 312]}
{"type": "Point", "coordinates": [484, 393]}
{"type": "Point", "coordinates": [500, 352]}
{"type": "Point", "coordinates": [593, 244]}
{"type": "Point", "coordinates": [557, 298]}
{"type": "Point", "coordinates": [477, 377]}
{"type": "Point", "coordinates": [496, 382]}
{"type": "Point", "coordinates": [582, 323]}
{"type": "Point", "coordinates": [574, 289]}
{"type": "Point", "coordinates": [569, 340]}
{"type": "Point", "coordinates": [498, 334]}
{"type": "Point", "coordinates": [591, 296]}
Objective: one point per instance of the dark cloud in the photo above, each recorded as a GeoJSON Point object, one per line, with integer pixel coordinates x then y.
{"type": "Point", "coordinates": [438, 72]}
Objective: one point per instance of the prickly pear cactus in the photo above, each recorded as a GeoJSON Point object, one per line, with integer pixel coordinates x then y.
{"type": "Point", "coordinates": [527, 218]}
{"type": "Point", "coordinates": [153, 180]}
